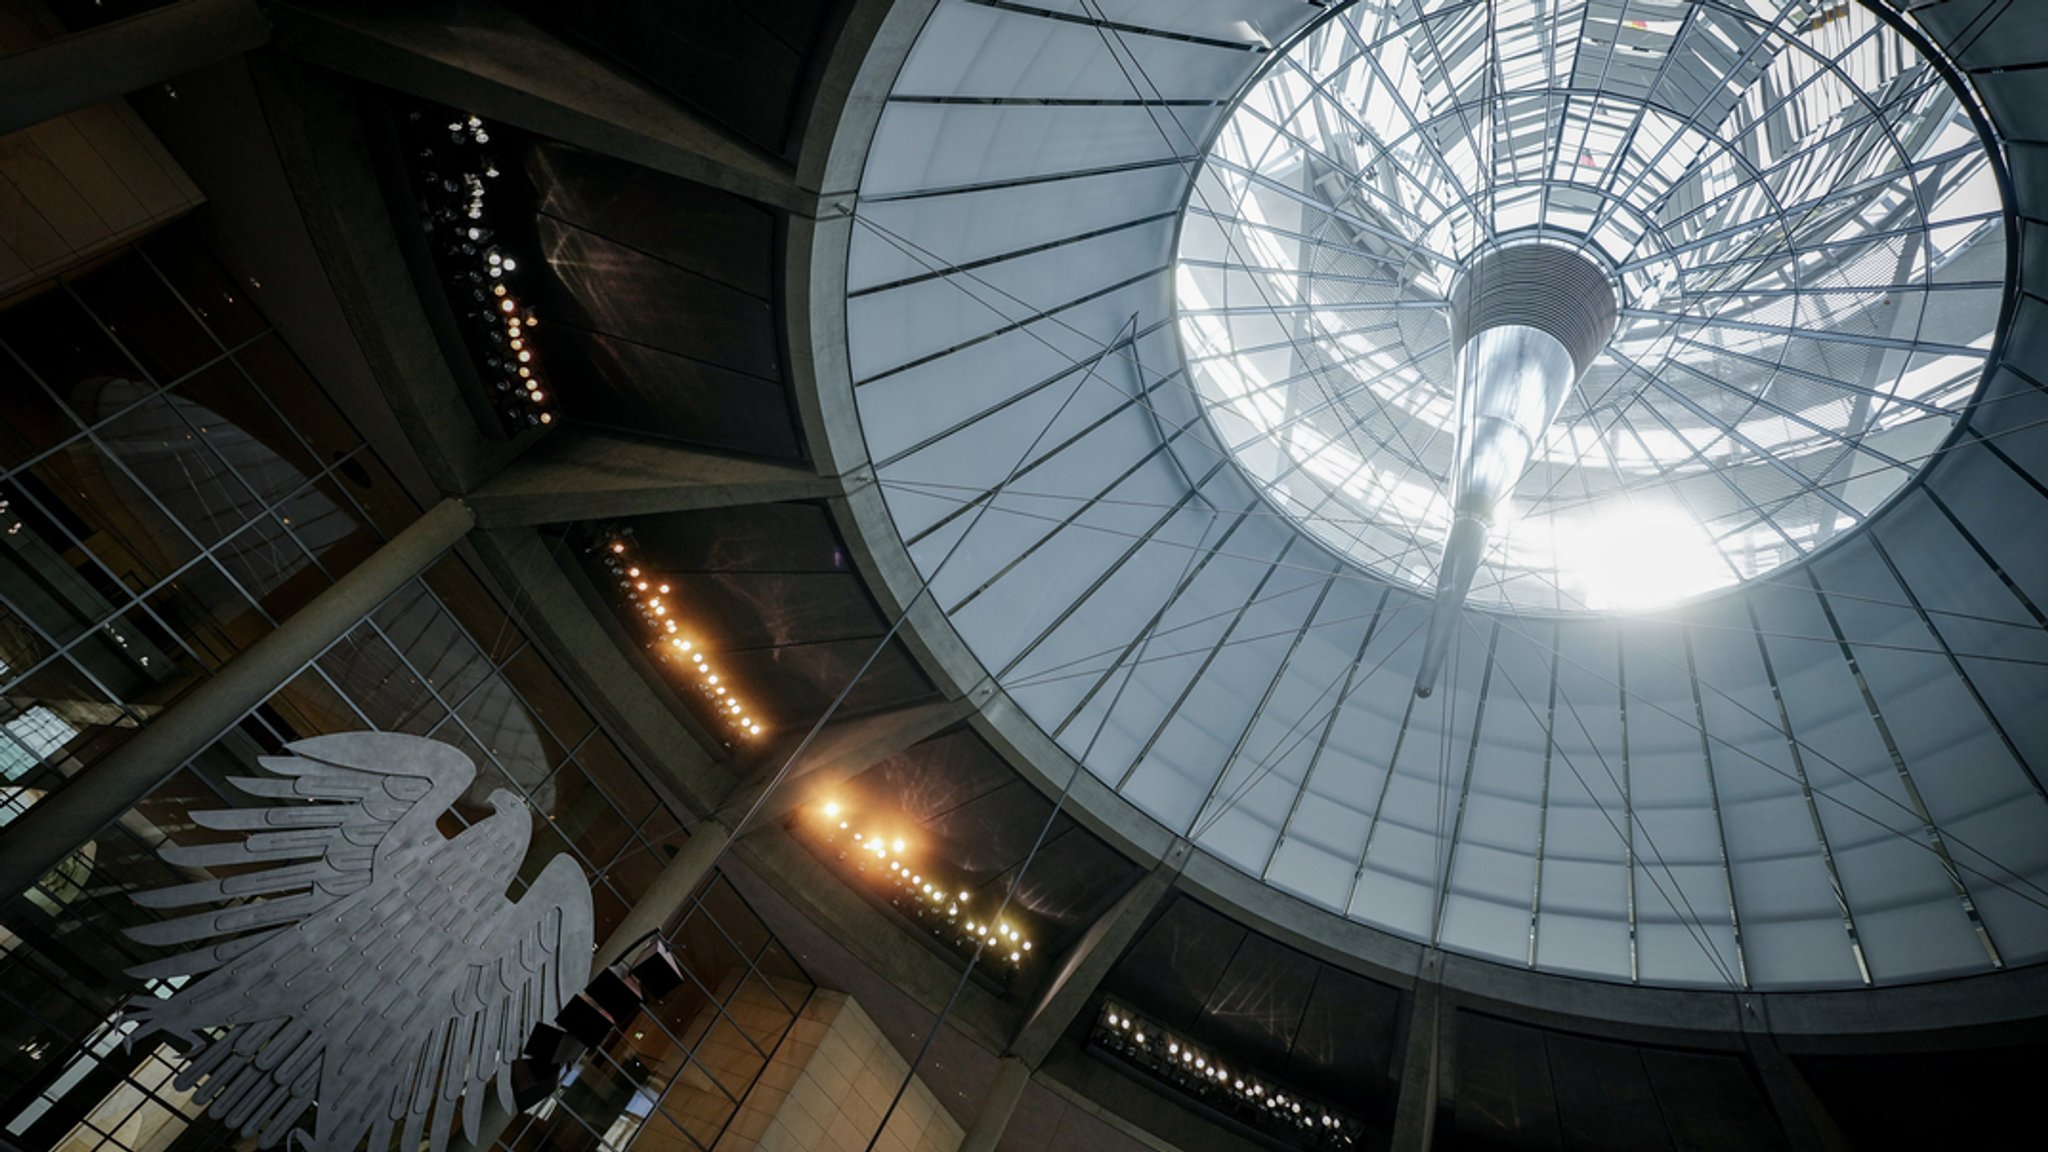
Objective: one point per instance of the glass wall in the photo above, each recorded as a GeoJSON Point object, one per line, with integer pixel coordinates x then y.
{"type": "Point", "coordinates": [172, 484]}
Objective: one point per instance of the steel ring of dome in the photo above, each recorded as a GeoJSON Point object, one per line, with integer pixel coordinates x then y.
{"type": "Point", "coordinates": [1814, 779]}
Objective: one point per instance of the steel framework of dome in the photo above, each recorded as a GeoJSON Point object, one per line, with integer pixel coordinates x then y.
{"type": "Point", "coordinates": [1824, 776]}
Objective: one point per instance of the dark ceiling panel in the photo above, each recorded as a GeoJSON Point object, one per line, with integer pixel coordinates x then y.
{"type": "Point", "coordinates": [937, 776]}
{"type": "Point", "coordinates": [1504, 1098]}
{"type": "Point", "coordinates": [793, 685]}
{"type": "Point", "coordinates": [735, 611]}
{"type": "Point", "coordinates": [741, 64]}
{"type": "Point", "coordinates": [758, 538]}
{"type": "Point", "coordinates": [1345, 1046]}
{"type": "Point", "coordinates": [613, 383]}
{"type": "Point", "coordinates": [603, 286]}
{"type": "Point", "coordinates": [1712, 1101]}
{"type": "Point", "coordinates": [1604, 1099]}
{"type": "Point", "coordinates": [701, 230]}
{"type": "Point", "coordinates": [1932, 1099]}
{"type": "Point", "coordinates": [1257, 1004]}
{"type": "Point", "coordinates": [1174, 965]}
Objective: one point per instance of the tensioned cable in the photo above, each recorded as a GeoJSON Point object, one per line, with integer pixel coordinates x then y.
{"type": "Point", "coordinates": [936, 489]}
{"type": "Point", "coordinates": [1375, 581]}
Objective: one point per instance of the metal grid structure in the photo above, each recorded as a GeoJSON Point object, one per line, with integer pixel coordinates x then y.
{"type": "Point", "coordinates": [1802, 222]}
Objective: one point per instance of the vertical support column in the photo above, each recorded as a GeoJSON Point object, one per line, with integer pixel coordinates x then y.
{"type": "Point", "coordinates": [1012, 1074]}
{"type": "Point", "coordinates": [43, 836]}
{"type": "Point", "coordinates": [670, 889]}
{"type": "Point", "coordinates": [1416, 1110]}
{"type": "Point", "coordinates": [80, 70]}
{"type": "Point", "coordinates": [1802, 1117]}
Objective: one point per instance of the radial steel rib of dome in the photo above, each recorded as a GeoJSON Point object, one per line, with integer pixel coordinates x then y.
{"type": "Point", "coordinates": [1526, 322]}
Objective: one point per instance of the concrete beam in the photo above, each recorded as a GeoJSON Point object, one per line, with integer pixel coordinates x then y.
{"type": "Point", "coordinates": [1415, 1110]}
{"type": "Point", "coordinates": [998, 1104]}
{"type": "Point", "coordinates": [486, 60]}
{"type": "Point", "coordinates": [843, 750]}
{"type": "Point", "coordinates": [77, 71]}
{"type": "Point", "coordinates": [1081, 971]}
{"type": "Point", "coordinates": [42, 837]}
{"type": "Point", "coordinates": [1801, 1115]}
{"type": "Point", "coordinates": [580, 475]}
{"type": "Point", "coordinates": [317, 127]}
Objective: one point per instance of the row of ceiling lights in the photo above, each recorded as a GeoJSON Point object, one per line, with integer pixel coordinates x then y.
{"type": "Point", "coordinates": [1203, 1074]}
{"type": "Point", "coordinates": [650, 597]}
{"type": "Point", "coordinates": [456, 171]}
{"type": "Point", "coordinates": [938, 904]}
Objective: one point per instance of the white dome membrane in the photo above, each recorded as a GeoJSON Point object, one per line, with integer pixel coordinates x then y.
{"type": "Point", "coordinates": [1804, 227]}
{"type": "Point", "coordinates": [1824, 777]}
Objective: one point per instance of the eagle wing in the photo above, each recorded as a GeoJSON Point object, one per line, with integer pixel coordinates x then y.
{"type": "Point", "coordinates": [535, 959]}
{"type": "Point", "coordinates": [369, 803]}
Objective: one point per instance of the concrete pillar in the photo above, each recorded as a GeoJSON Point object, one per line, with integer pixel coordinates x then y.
{"type": "Point", "coordinates": [43, 836]}
{"type": "Point", "coordinates": [78, 71]}
{"type": "Point", "coordinates": [670, 890]}
{"type": "Point", "coordinates": [997, 1106]}
{"type": "Point", "coordinates": [1416, 1109]}
{"type": "Point", "coordinates": [1801, 1115]}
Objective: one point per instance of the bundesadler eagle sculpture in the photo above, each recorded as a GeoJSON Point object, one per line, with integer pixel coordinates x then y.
{"type": "Point", "coordinates": [377, 967]}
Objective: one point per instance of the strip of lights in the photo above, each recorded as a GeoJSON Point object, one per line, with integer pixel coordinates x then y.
{"type": "Point", "coordinates": [649, 596]}
{"type": "Point", "coordinates": [456, 172]}
{"type": "Point", "coordinates": [937, 904]}
{"type": "Point", "coordinates": [1201, 1072]}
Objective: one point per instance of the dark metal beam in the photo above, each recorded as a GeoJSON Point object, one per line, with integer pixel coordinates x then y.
{"type": "Point", "coordinates": [579, 475]}
{"type": "Point", "coordinates": [80, 70]}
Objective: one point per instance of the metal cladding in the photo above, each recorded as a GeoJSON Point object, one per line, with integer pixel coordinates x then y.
{"type": "Point", "coordinates": [1547, 287]}
{"type": "Point", "coordinates": [1526, 322]}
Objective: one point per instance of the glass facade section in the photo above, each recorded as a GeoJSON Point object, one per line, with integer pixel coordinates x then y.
{"type": "Point", "coordinates": [174, 485]}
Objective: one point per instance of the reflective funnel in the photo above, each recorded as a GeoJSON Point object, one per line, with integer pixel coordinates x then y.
{"type": "Point", "coordinates": [1526, 321]}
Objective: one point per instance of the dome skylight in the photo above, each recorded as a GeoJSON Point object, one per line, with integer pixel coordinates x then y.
{"type": "Point", "coordinates": [1802, 228]}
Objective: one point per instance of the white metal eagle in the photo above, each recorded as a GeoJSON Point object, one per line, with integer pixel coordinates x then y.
{"type": "Point", "coordinates": [377, 969]}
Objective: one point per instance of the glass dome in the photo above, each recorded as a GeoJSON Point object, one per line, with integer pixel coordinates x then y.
{"type": "Point", "coordinates": [1802, 228]}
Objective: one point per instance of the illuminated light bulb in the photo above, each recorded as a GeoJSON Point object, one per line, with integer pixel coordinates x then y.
{"type": "Point", "coordinates": [711, 679]}
{"type": "Point", "coordinates": [856, 837]}
{"type": "Point", "coordinates": [499, 290]}
{"type": "Point", "coordinates": [675, 643]}
{"type": "Point", "coordinates": [517, 343]}
{"type": "Point", "coordinates": [547, 417]}
{"type": "Point", "coordinates": [842, 824]}
{"type": "Point", "coordinates": [686, 648]}
{"type": "Point", "coordinates": [664, 589]}
{"type": "Point", "coordinates": [525, 357]}
{"type": "Point", "coordinates": [510, 264]}
{"type": "Point", "coordinates": [507, 305]}
{"type": "Point", "coordinates": [1173, 1049]}
{"type": "Point", "coordinates": [1014, 955]}
{"type": "Point", "coordinates": [756, 728]}
{"type": "Point", "coordinates": [660, 609]}
{"type": "Point", "coordinates": [618, 548]}
{"type": "Point", "coordinates": [963, 897]}
{"type": "Point", "coordinates": [1140, 1037]}
{"type": "Point", "coordinates": [898, 845]}
{"type": "Point", "coordinates": [670, 625]}
{"type": "Point", "coordinates": [536, 394]}
{"type": "Point", "coordinates": [831, 808]}
{"type": "Point", "coordinates": [1027, 945]}
{"type": "Point", "coordinates": [642, 585]}
{"type": "Point", "coordinates": [698, 657]}
{"type": "Point", "coordinates": [721, 691]}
